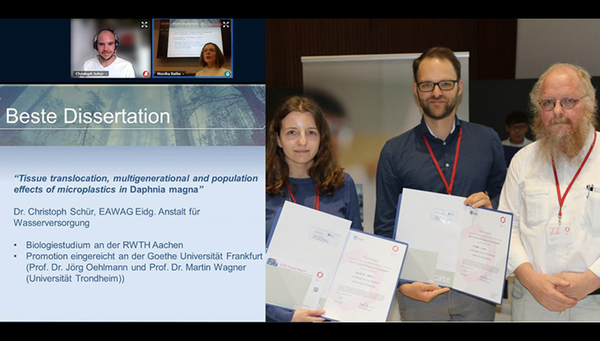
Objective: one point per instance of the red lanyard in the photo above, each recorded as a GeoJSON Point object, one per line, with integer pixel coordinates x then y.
{"type": "Point", "coordinates": [448, 187]}
{"type": "Point", "coordinates": [294, 200]}
{"type": "Point", "coordinates": [561, 199]}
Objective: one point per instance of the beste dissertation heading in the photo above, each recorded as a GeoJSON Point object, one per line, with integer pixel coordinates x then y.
{"type": "Point", "coordinates": [78, 116]}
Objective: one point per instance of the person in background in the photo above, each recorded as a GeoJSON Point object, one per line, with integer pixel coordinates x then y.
{"type": "Point", "coordinates": [552, 190]}
{"type": "Point", "coordinates": [442, 154]}
{"type": "Point", "coordinates": [301, 167]}
{"type": "Point", "coordinates": [517, 125]}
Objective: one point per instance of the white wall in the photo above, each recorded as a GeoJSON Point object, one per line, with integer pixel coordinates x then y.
{"type": "Point", "coordinates": [543, 42]}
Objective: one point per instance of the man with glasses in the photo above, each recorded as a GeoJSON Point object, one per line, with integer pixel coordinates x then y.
{"type": "Point", "coordinates": [552, 188]}
{"type": "Point", "coordinates": [442, 154]}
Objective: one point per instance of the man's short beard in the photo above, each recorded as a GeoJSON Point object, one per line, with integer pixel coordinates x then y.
{"type": "Point", "coordinates": [452, 104]}
{"type": "Point", "coordinates": [429, 114]}
{"type": "Point", "coordinates": [561, 146]}
{"type": "Point", "coordinates": [106, 59]}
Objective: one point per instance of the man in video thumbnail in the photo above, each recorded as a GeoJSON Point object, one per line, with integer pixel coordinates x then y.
{"type": "Point", "coordinates": [106, 43]}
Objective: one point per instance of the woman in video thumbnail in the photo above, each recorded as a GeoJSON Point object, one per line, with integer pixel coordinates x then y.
{"type": "Point", "coordinates": [301, 167]}
{"type": "Point", "coordinates": [212, 60]}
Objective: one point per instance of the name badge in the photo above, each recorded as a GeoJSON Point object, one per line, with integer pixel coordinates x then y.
{"type": "Point", "coordinates": [559, 233]}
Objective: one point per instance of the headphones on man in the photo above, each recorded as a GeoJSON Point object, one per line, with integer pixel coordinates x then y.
{"type": "Point", "coordinates": [111, 31]}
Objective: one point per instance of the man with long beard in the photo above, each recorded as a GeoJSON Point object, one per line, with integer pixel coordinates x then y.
{"type": "Point", "coordinates": [442, 154]}
{"type": "Point", "coordinates": [555, 245]}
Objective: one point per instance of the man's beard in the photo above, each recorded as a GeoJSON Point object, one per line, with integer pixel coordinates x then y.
{"type": "Point", "coordinates": [564, 146]}
{"type": "Point", "coordinates": [106, 59]}
{"type": "Point", "coordinates": [450, 106]}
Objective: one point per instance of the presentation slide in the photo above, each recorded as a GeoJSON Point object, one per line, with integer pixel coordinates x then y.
{"type": "Point", "coordinates": [187, 37]}
{"type": "Point", "coordinates": [132, 202]}
{"type": "Point", "coordinates": [131, 199]}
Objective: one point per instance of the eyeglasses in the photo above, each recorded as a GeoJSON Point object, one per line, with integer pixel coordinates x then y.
{"type": "Point", "coordinates": [565, 103]}
{"type": "Point", "coordinates": [517, 127]}
{"type": "Point", "coordinates": [446, 85]}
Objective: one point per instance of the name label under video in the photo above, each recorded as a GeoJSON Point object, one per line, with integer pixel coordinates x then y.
{"type": "Point", "coordinates": [90, 73]}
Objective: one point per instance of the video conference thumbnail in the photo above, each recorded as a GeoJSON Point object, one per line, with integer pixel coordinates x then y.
{"type": "Point", "coordinates": [155, 48]}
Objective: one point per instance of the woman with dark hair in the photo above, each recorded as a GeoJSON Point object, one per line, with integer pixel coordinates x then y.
{"type": "Point", "coordinates": [301, 167]}
{"type": "Point", "coordinates": [212, 60]}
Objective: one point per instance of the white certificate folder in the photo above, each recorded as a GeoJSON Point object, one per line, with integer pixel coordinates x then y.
{"type": "Point", "coordinates": [315, 261]}
{"type": "Point", "coordinates": [452, 244]}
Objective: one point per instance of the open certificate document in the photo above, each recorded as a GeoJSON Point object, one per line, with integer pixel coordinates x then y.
{"type": "Point", "coordinates": [315, 261]}
{"type": "Point", "coordinates": [454, 245]}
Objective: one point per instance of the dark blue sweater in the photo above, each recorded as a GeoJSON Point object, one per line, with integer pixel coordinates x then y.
{"type": "Point", "coordinates": [405, 162]}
